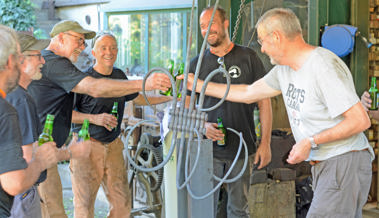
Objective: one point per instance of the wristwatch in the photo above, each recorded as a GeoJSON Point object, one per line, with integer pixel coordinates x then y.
{"type": "Point", "coordinates": [314, 146]}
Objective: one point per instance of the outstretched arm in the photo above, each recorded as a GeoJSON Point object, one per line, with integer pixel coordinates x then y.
{"type": "Point", "coordinates": [153, 99]}
{"type": "Point", "coordinates": [116, 88]}
{"type": "Point", "coordinates": [238, 93]}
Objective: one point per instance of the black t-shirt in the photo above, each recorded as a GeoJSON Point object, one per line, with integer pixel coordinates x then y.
{"type": "Point", "coordinates": [91, 105]}
{"type": "Point", "coordinates": [29, 122]}
{"type": "Point", "coordinates": [53, 95]}
{"type": "Point", "coordinates": [11, 158]}
{"type": "Point", "coordinates": [244, 67]}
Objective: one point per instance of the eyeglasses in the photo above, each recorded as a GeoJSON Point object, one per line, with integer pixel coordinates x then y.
{"type": "Point", "coordinates": [34, 55]}
{"type": "Point", "coordinates": [260, 41]}
{"type": "Point", "coordinates": [81, 41]}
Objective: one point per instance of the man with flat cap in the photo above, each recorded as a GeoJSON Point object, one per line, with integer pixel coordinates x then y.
{"type": "Point", "coordinates": [54, 94]}
{"type": "Point", "coordinates": [16, 175]}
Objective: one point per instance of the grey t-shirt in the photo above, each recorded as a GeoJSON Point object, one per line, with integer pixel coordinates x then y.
{"type": "Point", "coordinates": [30, 125]}
{"type": "Point", "coordinates": [316, 96]}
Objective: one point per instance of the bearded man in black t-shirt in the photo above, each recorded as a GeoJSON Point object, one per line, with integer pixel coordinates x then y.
{"type": "Point", "coordinates": [244, 66]}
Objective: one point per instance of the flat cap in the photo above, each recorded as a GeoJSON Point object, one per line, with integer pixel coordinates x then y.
{"type": "Point", "coordinates": [67, 25]}
{"type": "Point", "coordinates": [29, 43]}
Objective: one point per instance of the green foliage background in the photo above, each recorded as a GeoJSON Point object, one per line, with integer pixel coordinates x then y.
{"type": "Point", "coordinates": [17, 14]}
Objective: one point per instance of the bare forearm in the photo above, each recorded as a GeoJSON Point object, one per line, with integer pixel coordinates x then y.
{"type": "Point", "coordinates": [240, 93]}
{"type": "Point", "coordinates": [18, 181]}
{"type": "Point", "coordinates": [153, 99]}
{"type": "Point", "coordinates": [356, 120]}
{"type": "Point", "coordinates": [107, 87]}
{"type": "Point", "coordinates": [27, 151]}
{"type": "Point", "coordinates": [78, 117]}
{"type": "Point", "coordinates": [265, 116]}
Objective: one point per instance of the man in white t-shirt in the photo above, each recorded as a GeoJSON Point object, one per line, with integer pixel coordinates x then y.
{"type": "Point", "coordinates": [325, 114]}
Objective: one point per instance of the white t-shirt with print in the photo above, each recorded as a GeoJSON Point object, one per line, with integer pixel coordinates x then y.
{"type": "Point", "coordinates": [316, 96]}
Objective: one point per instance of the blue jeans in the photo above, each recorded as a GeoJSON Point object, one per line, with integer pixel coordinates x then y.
{"type": "Point", "coordinates": [237, 191]}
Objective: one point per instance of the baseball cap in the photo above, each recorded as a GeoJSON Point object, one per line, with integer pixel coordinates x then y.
{"type": "Point", "coordinates": [29, 43]}
{"type": "Point", "coordinates": [67, 25]}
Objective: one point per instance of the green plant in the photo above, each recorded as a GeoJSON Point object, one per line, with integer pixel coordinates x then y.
{"type": "Point", "coordinates": [17, 14]}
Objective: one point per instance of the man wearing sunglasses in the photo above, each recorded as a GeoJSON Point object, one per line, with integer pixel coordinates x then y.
{"type": "Point", "coordinates": [54, 94]}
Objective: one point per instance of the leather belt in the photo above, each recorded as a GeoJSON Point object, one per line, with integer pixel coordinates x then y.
{"type": "Point", "coordinates": [95, 140]}
{"type": "Point", "coordinates": [314, 162]}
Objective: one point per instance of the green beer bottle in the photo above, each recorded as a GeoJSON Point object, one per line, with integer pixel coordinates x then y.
{"type": "Point", "coordinates": [83, 134]}
{"type": "Point", "coordinates": [46, 135]}
{"type": "Point", "coordinates": [221, 127]}
{"type": "Point", "coordinates": [171, 70]}
{"type": "Point", "coordinates": [114, 111]}
{"type": "Point", "coordinates": [257, 123]}
{"type": "Point", "coordinates": [179, 82]}
{"type": "Point", "coordinates": [373, 94]}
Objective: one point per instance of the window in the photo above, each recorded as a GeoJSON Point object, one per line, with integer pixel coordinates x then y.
{"type": "Point", "coordinates": [150, 39]}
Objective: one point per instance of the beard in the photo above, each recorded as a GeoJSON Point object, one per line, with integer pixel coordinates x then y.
{"type": "Point", "coordinates": [73, 58]}
{"type": "Point", "coordinates": [75, 55]}
{"type": "Point", "coordinates": [219, 39]}
{"type": "Point", "coordinates": [34, 72]}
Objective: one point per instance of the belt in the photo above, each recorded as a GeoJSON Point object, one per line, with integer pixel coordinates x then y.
{"type": "Point", "coordinates": [95, 140]}
{"type": "Point", "coordinates": [314, 162]}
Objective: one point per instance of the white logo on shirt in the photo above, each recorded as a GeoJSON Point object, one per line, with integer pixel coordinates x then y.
{"type": "Point", "coordinates": [234, 71]}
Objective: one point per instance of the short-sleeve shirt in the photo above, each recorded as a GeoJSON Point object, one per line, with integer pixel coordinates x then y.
{"type": "Point", "coordinates": [29, 122]}
{"type": "Point", "coordinates": [11, 158]}
{"type": "Point", "coordinates": [90, 105]}
{"type": "Point", "coordinates": [244, 67]}
{"type": "Point", "coordinates": [53, 95]}
{"type": "Point", "coordinates": [315, 97]}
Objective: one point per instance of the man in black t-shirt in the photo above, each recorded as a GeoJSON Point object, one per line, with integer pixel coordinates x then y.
{"type": "Point", "coordinates": [106, 165]}
{"type": "Point", "coordinates": [244, 66]}
{"type": "Point", "coordinates": [54, 94]}
{"type": "Point", "coordinates": [16, 176]}
{"type": "Point", "coordinates": [27, 204]}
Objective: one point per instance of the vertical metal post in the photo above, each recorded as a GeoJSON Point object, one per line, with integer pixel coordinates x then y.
{"type": "Point", "coordinates": [202, 181]}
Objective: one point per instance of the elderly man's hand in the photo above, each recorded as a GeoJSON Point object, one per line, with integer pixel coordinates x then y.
{"type": "Point", "coordinates": [80, 149]}
{"type": "Point", "coordinates": [46, 154]}
{"type": "Point", "coordinates": [158, 81]}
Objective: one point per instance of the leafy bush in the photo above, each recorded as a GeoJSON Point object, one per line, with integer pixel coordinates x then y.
{"type": "Point", "coordinates": [17, 14]}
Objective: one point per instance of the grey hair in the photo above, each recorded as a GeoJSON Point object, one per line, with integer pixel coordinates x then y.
{"type": "Point", "coordinates": [8, 44]}
{"type": "Point", "coordinates": [100, 34]}
{"type": "Point", "coordinates": [281, 19]}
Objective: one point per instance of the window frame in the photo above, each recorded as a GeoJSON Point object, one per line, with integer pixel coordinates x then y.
{"type": "Point", "coordinates": [145, 14]}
